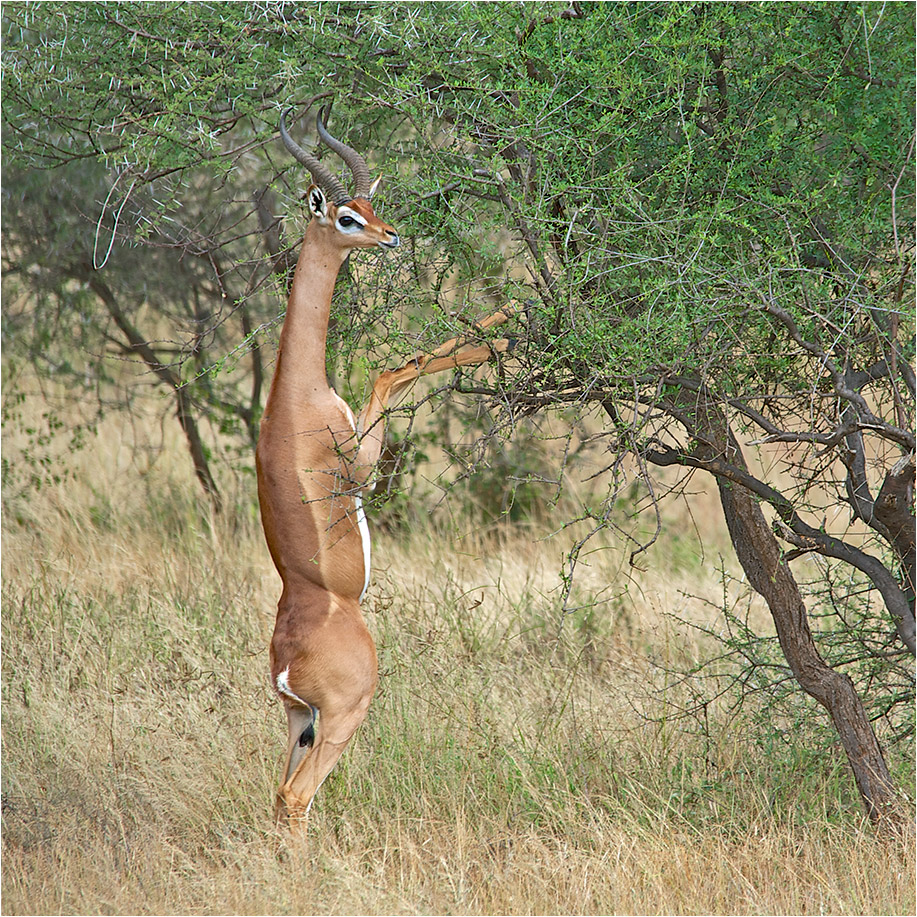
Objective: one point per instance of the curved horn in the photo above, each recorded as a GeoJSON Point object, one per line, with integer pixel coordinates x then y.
{"type": "Point", "coordinates": [323, 176]}
{"type": "Point", "coordinates": [361, 178]}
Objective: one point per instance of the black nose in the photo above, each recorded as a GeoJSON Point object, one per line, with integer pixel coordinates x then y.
{"type": "Point", "coordinates": [392, 241]}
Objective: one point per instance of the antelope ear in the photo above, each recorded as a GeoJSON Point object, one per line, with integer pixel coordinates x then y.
{"type": "Point", "coordinates": [374, 187]}
{"type": "Point", "coordinates": [318, 203]}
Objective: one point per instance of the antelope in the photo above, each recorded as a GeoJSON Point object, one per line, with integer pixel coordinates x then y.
{"type": "Point", "coordinates": [314, 459]}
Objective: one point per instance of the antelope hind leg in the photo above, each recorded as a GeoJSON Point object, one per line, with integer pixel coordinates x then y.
{"type": "Point", "coordinates": [301, 724]}
{"type": "Point", "coordinates": [315, 746]}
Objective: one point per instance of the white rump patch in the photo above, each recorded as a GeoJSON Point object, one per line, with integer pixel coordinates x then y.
{"type": "Point", "coordinates": [283, 687]}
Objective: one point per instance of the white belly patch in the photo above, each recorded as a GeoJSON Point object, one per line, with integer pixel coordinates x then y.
{"type": "Point", "coordinates": [363, 528]}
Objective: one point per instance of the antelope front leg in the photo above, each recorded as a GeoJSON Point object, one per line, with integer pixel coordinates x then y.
{"type": "Point", "coordinates": [391, 384]}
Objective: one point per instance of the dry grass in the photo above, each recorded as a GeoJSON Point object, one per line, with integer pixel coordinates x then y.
{"type": "Point", "coordinates": [511, 763]}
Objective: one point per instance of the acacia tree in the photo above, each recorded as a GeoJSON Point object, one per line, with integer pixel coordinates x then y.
{"type": "Point", "coordinates": [714, 206]}
{"type": "Point", "coordinates": [732, 259]}
{"type": "Point", "coordinates": [711, 217]}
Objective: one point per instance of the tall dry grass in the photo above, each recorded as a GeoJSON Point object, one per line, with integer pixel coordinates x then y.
{"type": "Point", "coordinates": [512, 762]}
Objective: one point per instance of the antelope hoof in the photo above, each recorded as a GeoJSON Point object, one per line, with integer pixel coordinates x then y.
{"type": "Point", "coordinates": [291, 815]}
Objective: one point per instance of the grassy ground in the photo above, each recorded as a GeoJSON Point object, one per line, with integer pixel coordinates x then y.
{"type": "Point", "coordinates": [511, 762]}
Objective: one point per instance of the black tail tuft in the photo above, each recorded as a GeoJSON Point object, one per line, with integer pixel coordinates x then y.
{"type": "Point", "coordinates": [308, 735]}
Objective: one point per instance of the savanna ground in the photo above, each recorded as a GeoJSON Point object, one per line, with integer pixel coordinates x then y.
{"type": "Point", "coordinates": [515, 760]}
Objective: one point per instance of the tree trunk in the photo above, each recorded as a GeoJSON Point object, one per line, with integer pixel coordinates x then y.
{"type": "Point", "coordinates": [139, 345]}
{"type": "Point", "coordinates": [768, 573]}
{"type": "Point", "coordinates": [196, 448]}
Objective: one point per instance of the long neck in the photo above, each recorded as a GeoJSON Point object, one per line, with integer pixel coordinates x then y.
{"type": "Point", "coordinates": [300, 372]}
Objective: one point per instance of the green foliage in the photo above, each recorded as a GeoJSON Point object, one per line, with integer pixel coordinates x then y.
{"type": "Point", "coordinates": [661, 165]}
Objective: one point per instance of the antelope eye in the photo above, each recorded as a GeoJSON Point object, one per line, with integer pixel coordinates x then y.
{"type": "Point", "coordinates": [347, 221]}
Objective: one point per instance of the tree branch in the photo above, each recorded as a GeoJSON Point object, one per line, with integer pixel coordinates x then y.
{"type": "Point", "coordinates": [804, 536]}
{"type": "Point", "coordinates": [841, 384]}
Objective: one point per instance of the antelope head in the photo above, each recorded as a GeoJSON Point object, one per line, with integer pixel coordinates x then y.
{"type": "Point", "coordinates": [349, 218]}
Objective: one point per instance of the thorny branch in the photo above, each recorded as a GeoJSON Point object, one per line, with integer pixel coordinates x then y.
{"type": "Point", "coordinates": [802, 535]}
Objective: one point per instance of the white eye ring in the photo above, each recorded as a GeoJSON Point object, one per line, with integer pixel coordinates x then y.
{"type": "Point", "coordinates": [347, 222]}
